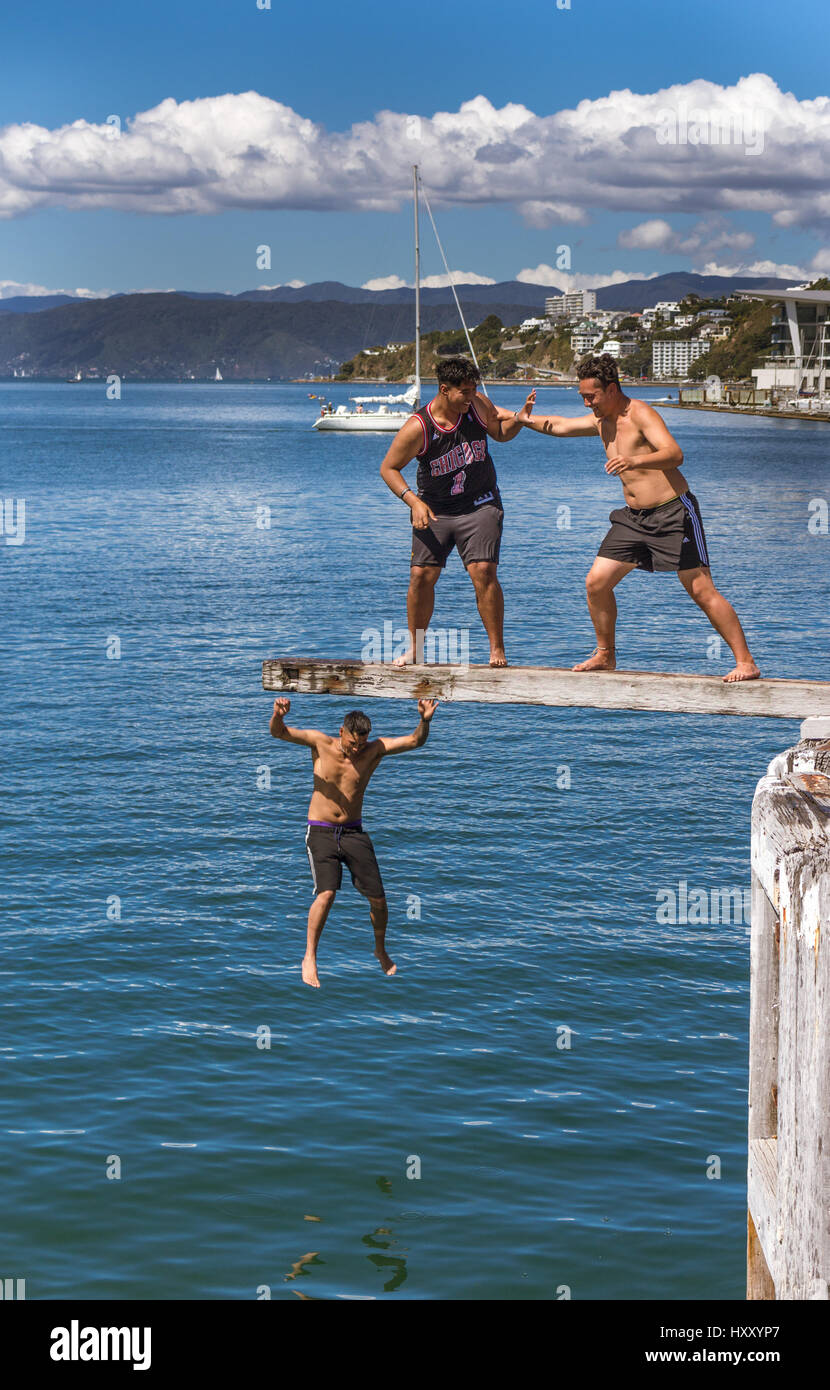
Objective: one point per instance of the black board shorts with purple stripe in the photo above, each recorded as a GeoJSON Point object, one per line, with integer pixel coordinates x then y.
{"type": "Point", "coordinates": [330, 845]}
{"type": "Point", "coordinates": [668, 537]}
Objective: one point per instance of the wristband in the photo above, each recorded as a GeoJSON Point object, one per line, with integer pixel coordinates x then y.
{"type": "Point", "coordinates": [402, 495]}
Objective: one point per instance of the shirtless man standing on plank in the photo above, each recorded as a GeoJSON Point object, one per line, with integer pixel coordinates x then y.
{"type": "Point", "coordinates": [660, 528]}
{"type": "Point", "coordinates": [335, 836]}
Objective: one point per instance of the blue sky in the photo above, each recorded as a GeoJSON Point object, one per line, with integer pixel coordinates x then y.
{"type": "Point", "coordinates": [336, 66]}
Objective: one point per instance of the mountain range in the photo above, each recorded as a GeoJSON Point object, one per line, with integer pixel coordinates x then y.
{"type": "Point", "coordinates": [276, 333]}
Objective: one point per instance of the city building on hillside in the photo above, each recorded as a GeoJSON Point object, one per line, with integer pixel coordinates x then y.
{"type": "Point", "coordinates": [683, 320]}
{"type": "Point", "coordinates": [565, 306]}
{"type": "Point", "coordinates": [667, 306]}
{"type": "Point", "coordinates": [620, 346]}
{"type": "Point", "coordinates": [527, 325]}
{"type": "Point", "coordinates": [799, 357]}
{"type": "Point", "coordinates": [715, 331]}
{"type": "Point", "coordinates": [673, 357]}
{"type": "Point", "coordinates": [585, 337]}
{"type": "Point", "coordinates": [712, 314]}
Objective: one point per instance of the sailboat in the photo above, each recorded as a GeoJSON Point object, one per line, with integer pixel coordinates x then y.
{"type": "Point", "coordinates": [218, 376]}
{"type": "Point", "coordinates": [387, 416]}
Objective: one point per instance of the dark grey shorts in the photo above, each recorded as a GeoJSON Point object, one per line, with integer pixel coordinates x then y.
{"type": "Point", "coordinates": [476, 534]}
{"type": "Point", "coordinates": [668, 537]}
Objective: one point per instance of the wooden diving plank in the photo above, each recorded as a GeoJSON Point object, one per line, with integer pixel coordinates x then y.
{"type": "Point", "coordinates": [550, 685]}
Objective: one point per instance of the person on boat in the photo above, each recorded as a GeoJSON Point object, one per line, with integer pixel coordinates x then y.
{"type": "Point", "coordinates": [342, 767]}
{"type": "Point", "coordinates": [457, 502]}
{"type": "Point", "coordinates": [659, 528]}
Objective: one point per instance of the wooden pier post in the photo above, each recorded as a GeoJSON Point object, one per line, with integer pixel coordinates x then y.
{"type": "Point", "coordinates": [788, 1171]}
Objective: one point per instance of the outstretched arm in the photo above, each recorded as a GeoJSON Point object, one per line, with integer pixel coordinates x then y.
{"type": "Point", "coordinates": [564, 426]}
{"type": "Point", "coordinates": [426, 709]}
{"type": "Point", "coordinates": [502, 424]}
{"type": "Point", "coordinates": [308, 738]}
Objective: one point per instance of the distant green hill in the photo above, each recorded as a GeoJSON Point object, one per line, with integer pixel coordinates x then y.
{"type": "Point", "coordinates": [173, 336]}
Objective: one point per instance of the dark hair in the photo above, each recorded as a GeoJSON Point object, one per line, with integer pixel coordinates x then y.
{"type": "Point", "coordinates": [602, 368]}
{"type": "Point", "coordinates": [356, 722]}
{"type": "Point", "coordinates": [454, 371]}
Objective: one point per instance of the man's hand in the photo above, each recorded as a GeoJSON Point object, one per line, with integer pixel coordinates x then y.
{"type": "Point", "coordinates": [618, 464]}
{"type": "Point", "coordinates": [281, 707]}
{"type": "Point", "coordinates": [422, 515]}
{"type": "Point", "coordinates": [426, 709]}
{"type": "Point", "coordinates": [527, 409]}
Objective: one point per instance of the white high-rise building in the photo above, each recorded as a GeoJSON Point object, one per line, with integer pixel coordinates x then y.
{"type": "Point", "coordinates": [673, 357]}
{"type": "Point", "coordinates": [576, 305]}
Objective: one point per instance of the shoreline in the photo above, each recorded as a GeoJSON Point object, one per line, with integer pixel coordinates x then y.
{"type": "Point", "coordinates": [818, 415]}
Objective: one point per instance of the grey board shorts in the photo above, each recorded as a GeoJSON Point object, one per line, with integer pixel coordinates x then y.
{"type": "Point", "coordinates": [477, 535]}
{"type": "Point", "coordinates": [668, 537]}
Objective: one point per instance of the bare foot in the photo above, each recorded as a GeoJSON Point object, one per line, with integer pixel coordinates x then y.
{"type": "Point", "coordinates": [310, 972]}
{"type": "Point", "coordinates": [497, 657]}
{"type": "Point", "coordinates": [408, 659]}
{"type": "Point", "coordinates": [388, 966]}
{"type": "Point", "coordinates": [743, 671]}
{"type": "Point", "coordinates": [601, 659]}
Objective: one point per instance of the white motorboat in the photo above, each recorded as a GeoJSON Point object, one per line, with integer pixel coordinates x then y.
{"type": "Point", "coordinates": [386, 417]}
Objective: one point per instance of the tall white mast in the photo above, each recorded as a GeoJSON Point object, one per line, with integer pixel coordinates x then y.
{"type": "Point", "coordinates": [417, 290]}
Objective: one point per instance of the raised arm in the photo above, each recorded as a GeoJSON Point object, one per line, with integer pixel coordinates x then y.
{"type": "Point", "coordinates": [403, 449]}
{"type": "Point", "coordinates": [308, 738]}
{"type": "Point", "coordinates": [501, 424]}
{"type": "Point", "coordinates": [405, 744]}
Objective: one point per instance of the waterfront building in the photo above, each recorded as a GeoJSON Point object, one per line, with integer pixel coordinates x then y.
{"type": "Point", "coordinates": [799, 357]}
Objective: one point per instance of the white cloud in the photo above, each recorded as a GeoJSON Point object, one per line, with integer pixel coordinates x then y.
{"type": "Point", "coordinates": [386, 282]}
{"type": "Point", "coordinates": [247, 151]}
{"type": "Point", "coordinates": [654, 235]}
{"type": "Point", "coordinates": [540, 214]}
{"type": "Point", "coordinates": [459, 277]}
{"type": "Point", "coordinates": [540, 275]}
{"type": "Point", "coordinates": [773, 269]}
{"type": "Point", "coordinates": [821, 261]}
{"type": "Point", "coordinates": [429, 282]}
{"type": "Point", "coordinates": [9, 289]}
{"type": "Point", "coordinates": [547, 275]}
{"type": "Point", "coordinates": [707, 236]}
{"type": "Point", "coordinates": [284, 285]}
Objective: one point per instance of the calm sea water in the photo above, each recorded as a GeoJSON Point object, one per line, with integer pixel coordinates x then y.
{"type": "Point", "coordinates": [155, 888]}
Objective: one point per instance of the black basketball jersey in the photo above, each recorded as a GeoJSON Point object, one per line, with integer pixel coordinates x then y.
{"type": "Point", "coordinates": [455, 470]}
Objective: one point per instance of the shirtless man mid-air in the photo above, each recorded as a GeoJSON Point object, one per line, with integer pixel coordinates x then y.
{"type": "Point", "coordinates": [335, 836]}
{"type": "Point", "coordinates": [660, 528]}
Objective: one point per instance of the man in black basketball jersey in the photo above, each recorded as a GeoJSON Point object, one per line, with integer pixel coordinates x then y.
{"type": "Point", "coordinates": [457, 502]}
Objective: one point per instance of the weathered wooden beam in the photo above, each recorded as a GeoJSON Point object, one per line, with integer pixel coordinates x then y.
{"type": "Point", "coordinates": [788, 1170]}
{"type": "Point", "coordinates": [550, 685]}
